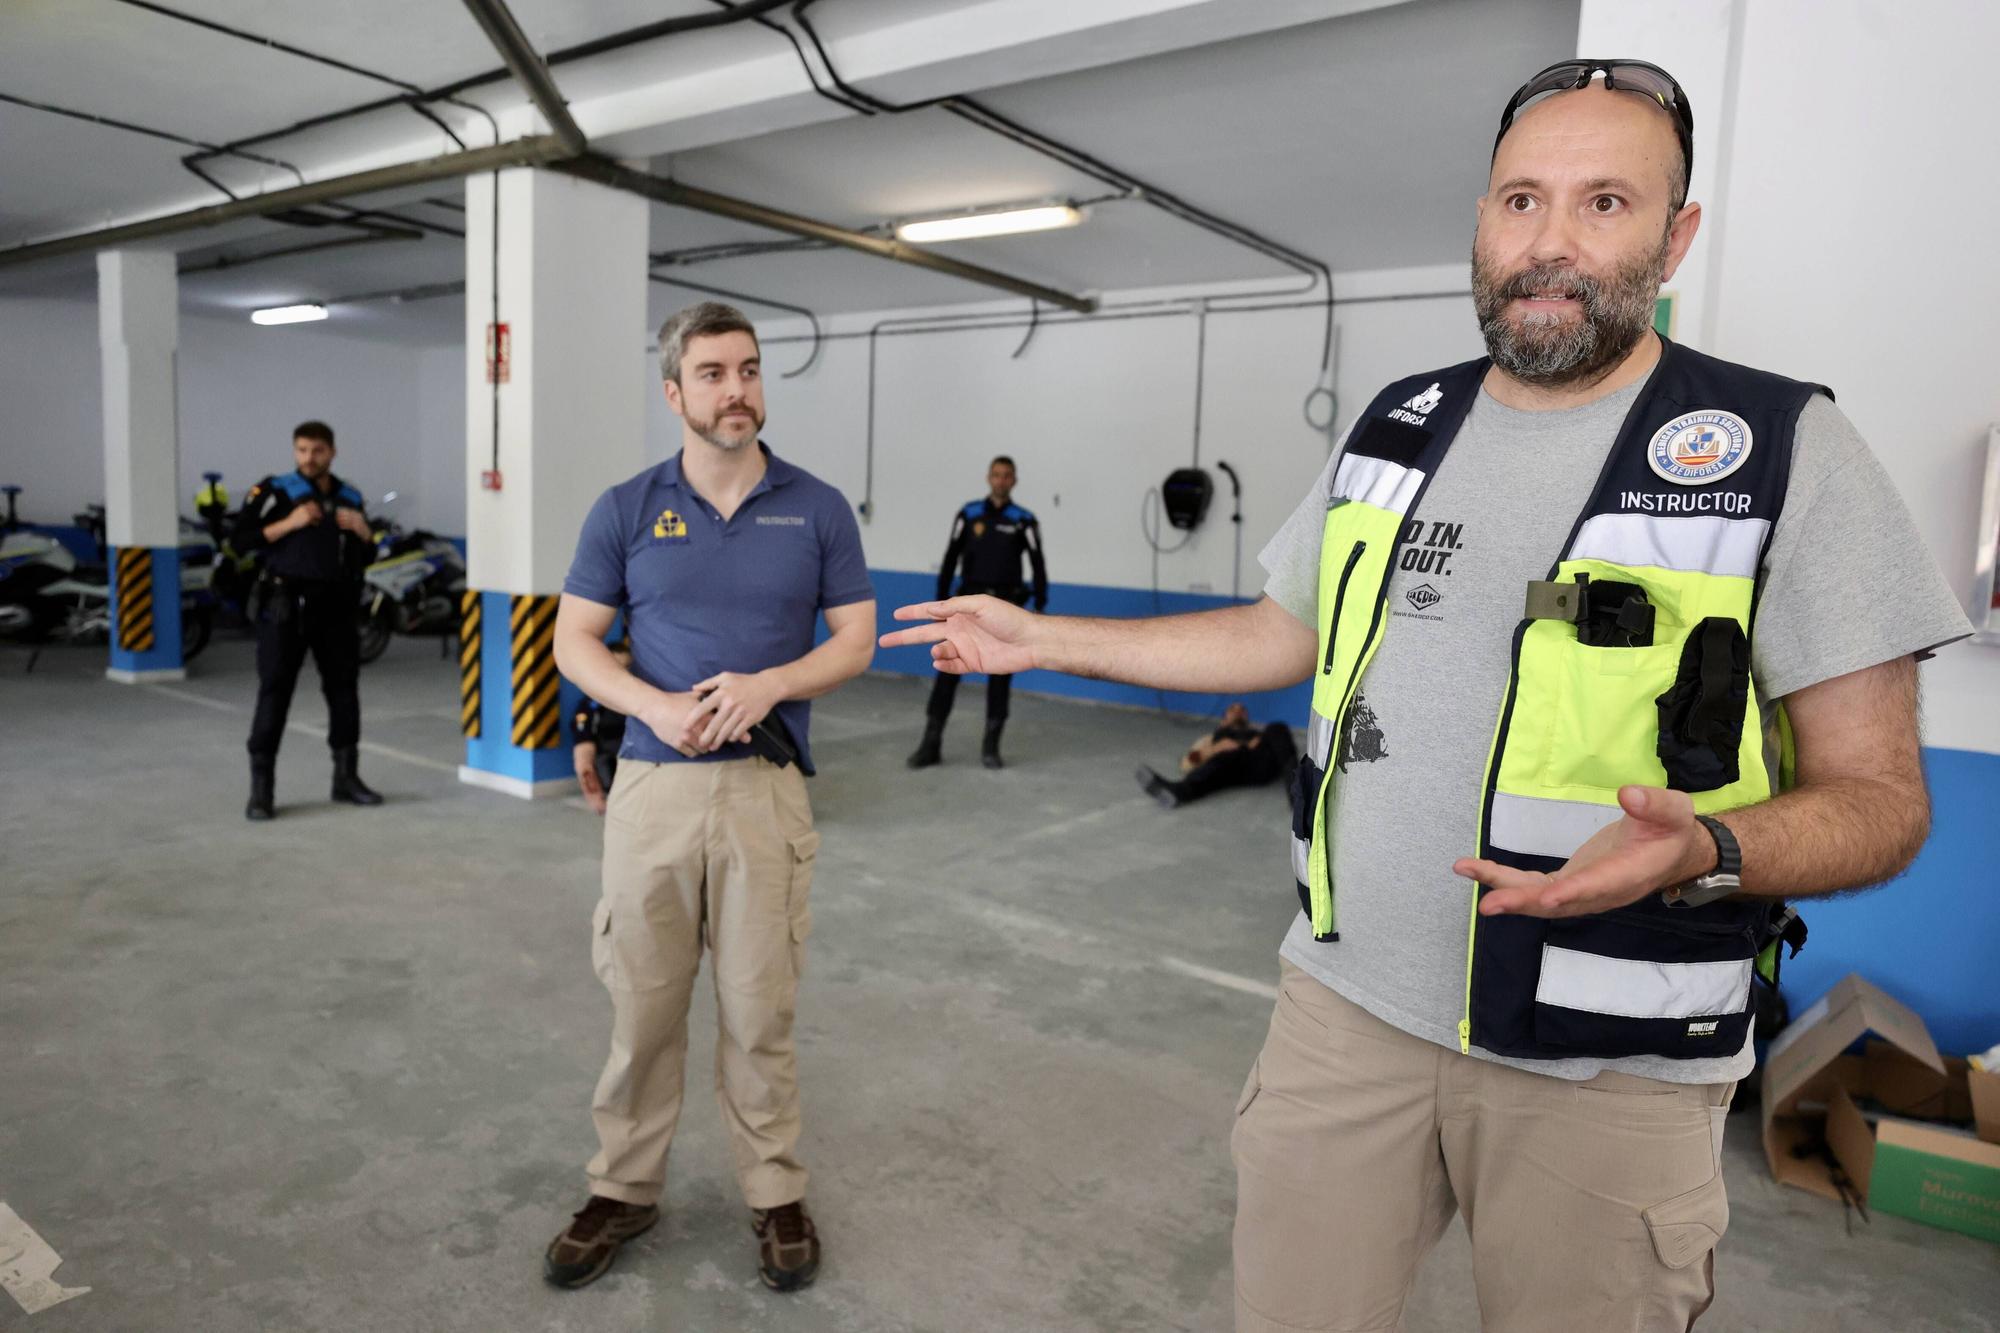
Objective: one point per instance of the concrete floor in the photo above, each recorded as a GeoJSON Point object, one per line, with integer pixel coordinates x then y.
{"type": "Point", "coordinates": [332, 1073]}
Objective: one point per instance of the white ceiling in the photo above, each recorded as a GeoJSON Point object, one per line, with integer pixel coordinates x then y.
{"type": "Point", "coordinates": [1360, 140]}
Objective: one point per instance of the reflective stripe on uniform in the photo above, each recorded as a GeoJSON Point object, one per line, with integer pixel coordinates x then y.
{"type": "Point", "coordinates": [1319, 739]}
{"type": "Point", "coordinates": [1378, 482]}
{"type": "Point", "coordinates": [1705, 545]}
{"type": "Point", "coordinates": [1633, 988]}
{"type": "Point", "coordinates": [1301, 860]}
{"type": "Point", "coordinates": [1541, 826]}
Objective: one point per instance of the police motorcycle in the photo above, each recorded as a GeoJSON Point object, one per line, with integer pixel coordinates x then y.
{"type": "Point", "coordinates": [415, 585]}
{"type": "Point", "coordinates": [233, 573]}
{"type": "Point", "coordinates": [47, 595]}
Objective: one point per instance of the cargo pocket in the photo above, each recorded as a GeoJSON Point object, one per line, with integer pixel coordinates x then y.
{"type": "Point", "coordinates": [1701, 714]}
{"type": "Point", "coordinates": [1687, 1227]}
{"type": "Point", "coordinates": [798, 901]}
{"type": "Point", "coordinates": [1634, 982]}
{"type": "Point", "coordinates": [602, 961]}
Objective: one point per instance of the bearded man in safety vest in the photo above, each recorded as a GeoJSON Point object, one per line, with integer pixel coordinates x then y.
{"type": "Point", "coordinates": [1635, 628]}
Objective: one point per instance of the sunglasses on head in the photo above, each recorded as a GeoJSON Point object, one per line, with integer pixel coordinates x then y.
{"type": "Point", "coordinates": [1626, 76]}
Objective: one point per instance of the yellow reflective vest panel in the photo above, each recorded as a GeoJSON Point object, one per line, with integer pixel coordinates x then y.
{"type": "Point", "coordinates": [1631, 664]}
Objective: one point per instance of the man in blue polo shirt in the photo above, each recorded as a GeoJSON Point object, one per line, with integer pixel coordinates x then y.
{"type": "Point", "coordinates": [722, 558]}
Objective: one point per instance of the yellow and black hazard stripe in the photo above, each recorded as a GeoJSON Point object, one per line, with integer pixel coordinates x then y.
{"type": "Point", "coordinates": [470, 639]}
{"type": "Point", "coordinates": [537, 718]}
{"type": "Point", "coordinates": [135, 599]}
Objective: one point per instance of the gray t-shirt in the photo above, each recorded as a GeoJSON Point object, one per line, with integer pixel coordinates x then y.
{"type": "Point", "coordinates": [1850, 584]}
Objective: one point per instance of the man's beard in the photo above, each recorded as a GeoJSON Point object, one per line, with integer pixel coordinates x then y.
{"type": "Point", "coordinates": [710, 429]}
{"type": "Point", "coordinates": [1556, 352]}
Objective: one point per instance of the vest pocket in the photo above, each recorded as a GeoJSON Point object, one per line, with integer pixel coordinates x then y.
{"type": "Point", "coordinates": [1701, 714]}
{"type": "Point", "coordinates": [1585, 719]}
{"type": "Point", "coordinates": [1638, 982]}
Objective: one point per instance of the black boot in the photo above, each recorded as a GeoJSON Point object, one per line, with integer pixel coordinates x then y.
{"type": "Point", "coordinates": [263, 784]}
{"type": "Point", "coordinates": [989, 748]}
{"type": "Point", "coordinates": [1157, 787]}
{"type": "Point", "coordinates": [347, 784]}
{"type": "Point", "coordinates": [930, 749]}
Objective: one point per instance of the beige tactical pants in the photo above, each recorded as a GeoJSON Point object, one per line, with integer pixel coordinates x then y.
{"type": "Point", "coordinates": [721, 855]}
{"type": "Point", "coordinates": [1592, 1206]}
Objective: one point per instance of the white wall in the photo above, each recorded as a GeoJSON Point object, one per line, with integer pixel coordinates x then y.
{"type": "Point", "coordinates": [1094, 415]}
{"type": "Point", "coordinates": [1849, 240]}
{"type": "Point", "coordinates": [242, 389]}
{"type": "Point", "coordinates": [1861, 253]}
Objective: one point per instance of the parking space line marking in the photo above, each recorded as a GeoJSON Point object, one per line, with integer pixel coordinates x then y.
{"type": "Point", "coordinates": [1226, 980]}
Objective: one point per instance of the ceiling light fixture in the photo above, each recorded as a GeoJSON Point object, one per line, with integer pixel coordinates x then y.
{"type": "Point", "coordinates": [288, 314]}
{"type": "Point", "coordinates": [1003, 222]}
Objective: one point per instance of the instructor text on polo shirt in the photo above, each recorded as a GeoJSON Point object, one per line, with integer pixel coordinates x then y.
{"type": "Point", "coordinates": [722, 559]}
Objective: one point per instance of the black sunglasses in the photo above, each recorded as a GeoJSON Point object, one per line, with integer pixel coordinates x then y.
{"type": "Point", "coordinates": [1629, 76]}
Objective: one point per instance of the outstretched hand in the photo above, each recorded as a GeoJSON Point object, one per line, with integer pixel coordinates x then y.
{"type": "Point", "coordinates": [1656, 844]}
{"type": "Point", "coordinates": [970, 634]}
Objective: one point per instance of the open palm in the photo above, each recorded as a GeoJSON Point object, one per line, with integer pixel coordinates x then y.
{"type": "Point", "coordinates": [969, 634]}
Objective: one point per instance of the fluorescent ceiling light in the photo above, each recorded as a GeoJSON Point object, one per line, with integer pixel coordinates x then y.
{"type": "Point", "coordinates": [288, 314]}
{"type": "Point", "coordinates": [1005, 222]}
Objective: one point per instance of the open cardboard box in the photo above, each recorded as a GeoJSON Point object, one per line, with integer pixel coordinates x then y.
{"type": "Point", "coordinates": [1920, 1171]}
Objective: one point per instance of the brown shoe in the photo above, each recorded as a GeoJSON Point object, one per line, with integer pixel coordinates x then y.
{"type": "Point", "coordinates": [586, 1247]}
{"type": "Point", "coordinates": [787, 1246]}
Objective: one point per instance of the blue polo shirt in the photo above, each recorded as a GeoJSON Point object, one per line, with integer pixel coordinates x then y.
{"type": "Point", "coordinates": [701, 595]}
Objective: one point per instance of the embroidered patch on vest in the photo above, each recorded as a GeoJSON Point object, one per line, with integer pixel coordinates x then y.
{"type": "Point", "coordinates": [1700, 447]}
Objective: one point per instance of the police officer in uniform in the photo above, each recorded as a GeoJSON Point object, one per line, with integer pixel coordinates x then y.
{"type": "Point", "coordinates": [316, 541]}
{"type": "Point", "coordinates": [990, 536]}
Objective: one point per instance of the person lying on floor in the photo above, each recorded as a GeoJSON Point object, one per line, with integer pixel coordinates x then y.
{"type": "Point", "coordinates": [1235, 754]}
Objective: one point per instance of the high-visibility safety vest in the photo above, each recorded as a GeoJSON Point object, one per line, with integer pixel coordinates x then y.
{"type": "Point", "coordinates": [1631, 666]}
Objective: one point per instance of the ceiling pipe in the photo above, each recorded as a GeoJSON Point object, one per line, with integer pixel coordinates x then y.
{"type": "Point", "coordinates": [535, 150]}
{"type": "Point", "coordinates": [374, 236]}
{"type": "Point", "coordinates": [528, 68]}
{"type": "Point", "coordinates": [619, 177]}
{"type": "Point", "coordinates": [597, 46]}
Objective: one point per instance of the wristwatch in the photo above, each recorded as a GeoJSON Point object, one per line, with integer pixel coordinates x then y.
{"type": "Point", "coordinates": [1719, 883]}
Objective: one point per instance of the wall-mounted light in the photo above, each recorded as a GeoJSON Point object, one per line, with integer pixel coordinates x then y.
{"type": "Point", "coordinates": [288, 314]}
{"type": "Point", "coordinates": [1002, 222]}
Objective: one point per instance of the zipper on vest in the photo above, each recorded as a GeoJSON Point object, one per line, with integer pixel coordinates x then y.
{"type": "Point", "coordinates": [1339, 600]}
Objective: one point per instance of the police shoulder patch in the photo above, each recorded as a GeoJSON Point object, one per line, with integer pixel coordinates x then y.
{"type": "Point", "coordinates": [1697, 448]}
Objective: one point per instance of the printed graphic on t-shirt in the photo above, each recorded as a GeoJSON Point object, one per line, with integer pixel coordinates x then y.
{"type": "Point", "coordinates": [1363, 741]}
{"type": "Point", "coordinates": [1429, 550]}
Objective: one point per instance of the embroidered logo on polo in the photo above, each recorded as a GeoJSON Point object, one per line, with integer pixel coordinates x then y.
{"type": "Point", "coordinates": [670, 527]}
{"type": "Point", "coordinates": [1418, 409]}
{"type": "Point", "coordinates": [781, 520]}
{"type": "Point", "coordinates": [1697, 448]}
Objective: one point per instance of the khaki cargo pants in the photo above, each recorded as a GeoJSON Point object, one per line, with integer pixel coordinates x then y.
{"type": "Point", "coordinates": [1592, 1206]}
{"type": "Point", "coordinates": [717, 855]}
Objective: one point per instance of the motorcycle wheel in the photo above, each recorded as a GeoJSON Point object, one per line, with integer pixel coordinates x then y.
{"type": "Point", "coordinates": [373, 629]}
{"type": "Point", "coordinates": [197, 625]}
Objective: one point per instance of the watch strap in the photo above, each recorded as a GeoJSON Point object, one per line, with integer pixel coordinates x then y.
{"type": "Point", "coordinates": [1728, 854]}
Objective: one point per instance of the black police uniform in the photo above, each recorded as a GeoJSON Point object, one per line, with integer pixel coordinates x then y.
{"type": "Point", "coordinates": [988, 541]}
{"type": "Point", "coordinates": [306, 603]}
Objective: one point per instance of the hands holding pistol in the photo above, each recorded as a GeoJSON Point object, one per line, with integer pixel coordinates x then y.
{"type": "Point", "coordinates": [718, 711]}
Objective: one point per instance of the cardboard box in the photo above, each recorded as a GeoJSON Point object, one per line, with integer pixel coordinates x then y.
{"type": "Point", "coordinates": [1984, 1087]}
{"type": "Point", "coordinates": [1925, 1172]}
